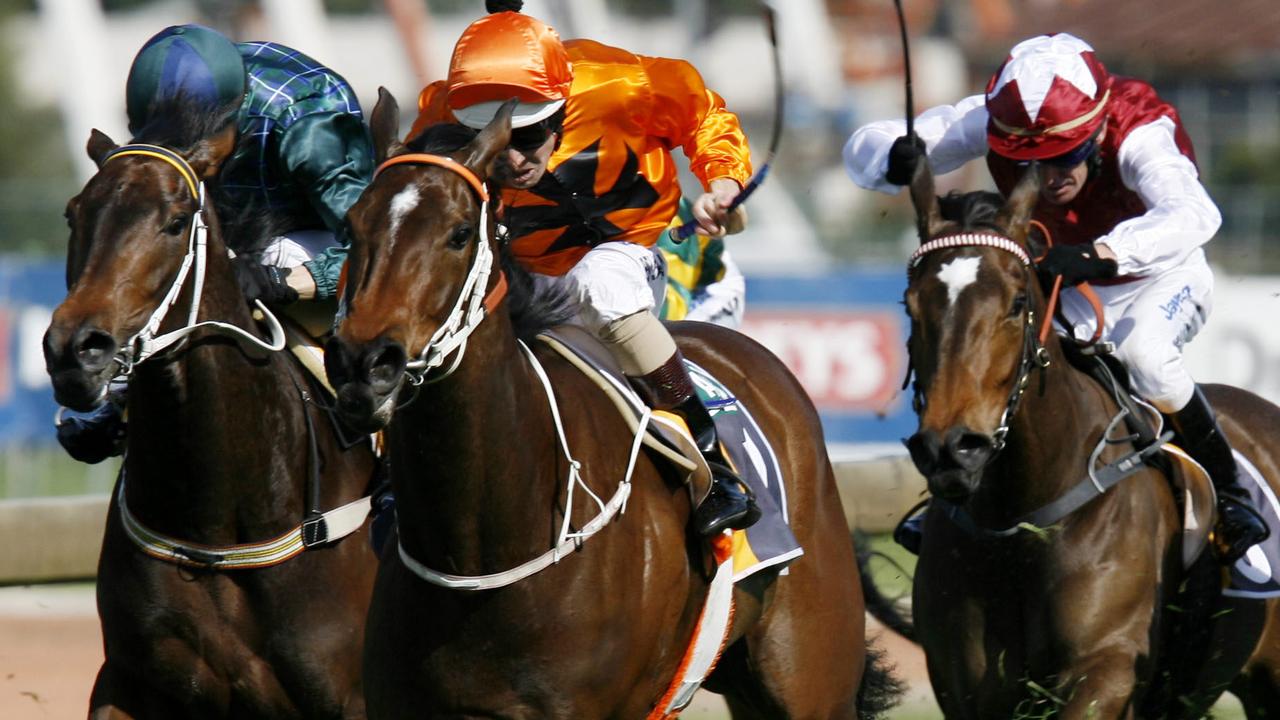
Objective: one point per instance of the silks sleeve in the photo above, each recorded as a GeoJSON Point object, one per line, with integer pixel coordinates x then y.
{"type": "Point", "coordinates": [329, 157]}
{"type": "Point", "coordinates": [687, 114]}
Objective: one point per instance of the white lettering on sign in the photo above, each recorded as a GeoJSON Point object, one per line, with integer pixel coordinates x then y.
{"type": "Point", "coordinates": [846, 361]}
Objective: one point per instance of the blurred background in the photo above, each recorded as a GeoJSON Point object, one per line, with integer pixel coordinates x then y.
{"type": "Point", "coordinates": [823, 259]}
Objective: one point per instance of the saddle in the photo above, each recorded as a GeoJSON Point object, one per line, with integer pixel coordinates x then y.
{"type": "Point", "coordinates": [665, 433]}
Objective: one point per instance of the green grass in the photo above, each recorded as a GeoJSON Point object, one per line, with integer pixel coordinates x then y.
{"type": "Point", "coordinates": [31, 472]}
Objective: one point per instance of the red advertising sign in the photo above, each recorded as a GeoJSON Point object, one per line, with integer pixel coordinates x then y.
{"type": "Point", "coordinates": [849, 361]}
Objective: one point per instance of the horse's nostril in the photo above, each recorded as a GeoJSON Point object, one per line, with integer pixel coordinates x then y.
{"type": "Point", "coordinates": [94, 349]}
{"type": "Point", "coordinates": [385, 368]}
{"type": "Point", "coordinates": [971, 449]}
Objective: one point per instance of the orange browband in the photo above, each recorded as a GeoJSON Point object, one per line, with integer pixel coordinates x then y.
{"type": "Point", "coordinates": [442, 161]}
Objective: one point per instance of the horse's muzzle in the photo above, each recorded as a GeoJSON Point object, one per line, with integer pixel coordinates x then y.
{"type": "Point", "coordinates": [367, 380]}
{"type": "Point", "coordinates": [79, 361]}
{"type": "Point", "coordinates": [953, 463]}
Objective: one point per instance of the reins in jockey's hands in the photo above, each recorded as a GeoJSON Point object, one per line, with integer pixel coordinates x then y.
{"type": "Point", "coordinates": [263, 282]}
{"type": "Point", "coordinates": [1077, 264]}
{"type": "Point", "coordinates": [905, 153]}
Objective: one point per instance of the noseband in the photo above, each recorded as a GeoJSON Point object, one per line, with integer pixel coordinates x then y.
{"type": "Point", "coordinates": [1033, 351]}
{"type": "Point", "coordinates": [146, 343]}
{"type": "Point", "coordinates": [473, 304]}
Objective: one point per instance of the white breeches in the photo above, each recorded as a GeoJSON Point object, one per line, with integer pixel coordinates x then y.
{"type": "Point", "coordinates": [294, 248]}
{"type": "Point", "coordinates": [613, 280]}
{"type": "Point", "coordinates": [1149, 321]}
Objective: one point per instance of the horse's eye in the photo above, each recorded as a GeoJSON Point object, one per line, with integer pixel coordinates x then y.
{"type": "Point", "coordinates": [177, 225]}
{"type": "Point", "coordinates": [1019, 304]}
{"type": "Point", "coordinates": [461, 236]}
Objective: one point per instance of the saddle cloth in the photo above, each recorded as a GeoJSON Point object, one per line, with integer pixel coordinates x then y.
{"type": "Point", "coordinates": [1254, 575]}
{"type": "Point", "coordinates": [767, 543]}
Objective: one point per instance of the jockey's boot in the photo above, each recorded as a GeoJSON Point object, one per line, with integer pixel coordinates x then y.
{"type": "Point", "coordinates": [728, 505]}
{"type": "Point", "coordinates": [99, 435]}
{"type": "Point", "coordinates": [1240, 526]}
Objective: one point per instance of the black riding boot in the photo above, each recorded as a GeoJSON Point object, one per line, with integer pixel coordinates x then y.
{"type": "Point", "coordinates": [99, 435]}
{"type": "Point", "coordinates": [1240, 526]}
{"type": "Point", "coordinates": [728, 504]}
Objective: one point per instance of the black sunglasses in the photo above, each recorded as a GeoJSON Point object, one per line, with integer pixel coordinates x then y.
{"type": "Point", "coordinates": [529, 138]}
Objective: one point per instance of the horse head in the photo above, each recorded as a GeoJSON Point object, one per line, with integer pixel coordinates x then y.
{"type": "Point", "coordinates": [972, 298]}
{"type": "Point", "coordinates": [420, 276]}
{"type": "Point", "coordinates": [128, 251]}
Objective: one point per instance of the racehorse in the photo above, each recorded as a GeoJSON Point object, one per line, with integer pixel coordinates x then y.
{"type": "Point", "coordinates": [210, 606]}
{"type": "Point", "coordinates": [1029, 603]}
{"type": "Point", "coordinates": [478, 461]}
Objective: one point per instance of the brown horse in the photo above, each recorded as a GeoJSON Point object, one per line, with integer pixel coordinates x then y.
{"type": "Point", "coordinates": [1089, 615]}
{"type": "Point", "coordinates": [479, 475]}
{"type": "Point", "coordinates": [199, 620]}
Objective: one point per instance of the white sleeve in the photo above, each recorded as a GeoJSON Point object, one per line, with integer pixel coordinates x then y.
{"type": "Point", "coordinates": [953, 135]}
{"type": "Point", "coordinates": [1180, 215]}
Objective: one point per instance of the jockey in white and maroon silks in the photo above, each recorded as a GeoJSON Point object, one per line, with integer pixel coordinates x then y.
{"type": "Point", "coordinates": [1122, 200]}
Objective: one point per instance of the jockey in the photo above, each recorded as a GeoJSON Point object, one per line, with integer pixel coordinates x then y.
{"type": "Point", "coordinates": [1122, 200]}
{"type": "Point", "coordinates": [589, 185]}
{"type": "Point", "coordinates": [303, 152]}
{"type": "Point", "coordinates": [703, 281]}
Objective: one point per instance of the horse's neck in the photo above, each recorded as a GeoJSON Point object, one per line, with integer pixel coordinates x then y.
{"type": "Point", "coordinates": [474, 460]}
{"type": "Point", "coordinates": [1051, 436]}
{"type": "Point", "coordinates": [210, 424]}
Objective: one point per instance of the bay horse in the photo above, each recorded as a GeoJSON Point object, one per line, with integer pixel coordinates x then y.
{"type": "Point", "coordinates": [1089, 614]}
{"type": "Point", "coordinates": [210, 607]}
{"type": "Point", "coordinates": [478, 467]}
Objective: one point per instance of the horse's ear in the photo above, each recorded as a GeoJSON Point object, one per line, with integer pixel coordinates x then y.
{"type": "Point", "coordinates": [925, 199]}
{"type": "Point", "coordinates": [481, 153]}
{"type": "Point", "coordinates": [209, 154]}
{"type": "Point", "coordinates": [384, 124]}
{"type": "Point", "coordinates": [99, 146]}
{"type": "Point", "coordinates": [1015, 216]}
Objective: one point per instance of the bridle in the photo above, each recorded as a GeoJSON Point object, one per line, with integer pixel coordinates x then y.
{"type": "Point", "coordinates": [1034, 355]}
{"type": "Point", "coordinates": [473, 303]}
{"type": "Point", "coordinates": [146, 343]}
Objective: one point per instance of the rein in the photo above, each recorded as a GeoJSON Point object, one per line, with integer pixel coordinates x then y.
{"type": "Point", "coordinates": [146, 343]}
{"type": "Point", "coordinates": [473, 304]}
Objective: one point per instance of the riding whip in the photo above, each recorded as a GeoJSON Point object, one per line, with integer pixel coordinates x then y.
{"type": "Point", "coordinates": [681, 233]}
{"type": "Point", "coordinates": [906, 66]}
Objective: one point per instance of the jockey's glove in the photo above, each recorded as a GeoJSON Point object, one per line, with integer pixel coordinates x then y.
{"type": "Point", "coordinates": [1076, 264]}
{"type": "Point", "coordinates": [263, 282]}
{"type": "Point", "coordinates": [906, 152]}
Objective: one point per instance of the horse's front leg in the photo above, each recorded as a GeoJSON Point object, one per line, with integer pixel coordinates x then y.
{"type": "Point", "coordinates": [1103, 689]}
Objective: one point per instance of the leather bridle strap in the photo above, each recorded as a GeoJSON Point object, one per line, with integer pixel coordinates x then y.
{"type": "Point", "coordinates": [441, 161]}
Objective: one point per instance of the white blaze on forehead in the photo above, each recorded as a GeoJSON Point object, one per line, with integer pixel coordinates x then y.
{"type": "Point", "coordinates": [1036, 62]}
{"type": "Point", "coordinates": [402, 204]}
{"type": "Point", "coordinates": [958, 275]}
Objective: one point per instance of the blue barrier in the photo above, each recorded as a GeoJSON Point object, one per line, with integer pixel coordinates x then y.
{"type": "Point", "coordinates": [842, 334]}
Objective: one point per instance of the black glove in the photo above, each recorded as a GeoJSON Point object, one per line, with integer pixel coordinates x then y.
{"type": "Point", "coordinates": [1076, 264]}
{"type": "Point", "coordinates": [262, 282]}
{"type": "Point", "coordinates": [906, 153]}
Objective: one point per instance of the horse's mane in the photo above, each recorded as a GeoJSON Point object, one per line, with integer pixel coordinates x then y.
{"type": "Point", "coordinates": [532, 308]}
{"type": "Point", "coordinates": [180, 122]}
{"type": "Point", "coordinates": [975, 210]}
